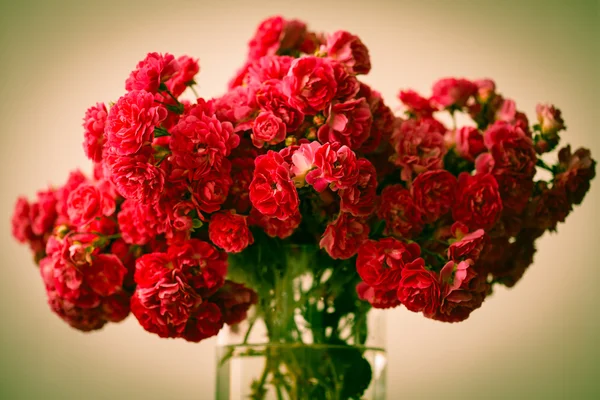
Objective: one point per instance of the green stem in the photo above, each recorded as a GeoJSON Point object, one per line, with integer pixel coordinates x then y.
{"type": "Point", "coordinates": [194, 91]}
{"type": "Point", "coordinates": [542, 164]}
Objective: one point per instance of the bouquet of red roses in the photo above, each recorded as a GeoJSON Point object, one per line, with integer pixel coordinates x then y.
{"type": "Point", "coordinates": [197, 210]}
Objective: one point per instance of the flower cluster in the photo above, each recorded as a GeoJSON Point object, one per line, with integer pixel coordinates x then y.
{"type": "Point", "coordinates": [298, 150]}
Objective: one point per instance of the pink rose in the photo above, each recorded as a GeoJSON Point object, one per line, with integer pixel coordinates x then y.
{"type": "Point", "coordinates": [452, 92]}
{"type": "Point", "coordinates": [549, 118]}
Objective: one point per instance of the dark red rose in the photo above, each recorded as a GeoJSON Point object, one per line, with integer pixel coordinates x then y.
{"type": "Point", "coordinates": [433, 193]}
{"type": "Point", "coordinates": [397, 208]}
{"type": "Point", "coordinates": [478, 204]}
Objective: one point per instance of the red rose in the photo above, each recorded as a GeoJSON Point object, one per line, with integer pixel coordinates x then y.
{"type": "Point", "coordinates": [267, 38]}
{"type": "Point", "coordinates": [272, 191]}
{"type": "Point", "coordinates": [202, 264]}
{"type": "Point", "coordinates": [335, 167]}
{"type": "Point", "coordinates": [229, 231]}
{"type": "Point", "coordinates": [75, 179]}
{"type": "Point", "coordinates": [93, 124]}
{"type": "Point", "coordinates": [466, 245]}
{"type": "Point", "coordinates": [140, 223]}
{"type": "Point", "coordinates": [151, 72]}
{"type": "Point", "coordinates": [275, 227]}
{"type": "Point", "coordinates": [210, 190]}
{"type": "Point", "coordinates": [451, 92]}
{"type": "Point", "coordinates": [21, 224]}
{"type": "Point", "coordinates": [188, 68]}
{"type": "Point", "coordinates": [416, 104]}
{"type": "Point", "coordinates": [419, 145]}
{"type": "Point", "coordinates": [131, 121]}
{"type": "Point", "coordinates": [105, 274]}
{"type": "Point", "coordinates": [379, 299]}
{"type": "Point", "coordinates": [199, 142]}
{"type": "Point", "coordinates": [275, 35]}
{"type": "Point", "coordinates": [42, 213]}
{"type": "Point", "coordinates": [165, 307]}
{"type": "Point", "coordinates": [380, 263]}
{"type": "Point", "coordinates": [87, 203]}
{"type": "Point", "coordinates": [234, 300]}
{"type": "Point", "coordinates": [360, 198]}
{"type": "Point", "coordinates": [350, 51]}
{"type": "Point", "coordinates": [343, 237]}
{"type": "Point", "coordinates": [310, 84]}
{"type": "Point", "coordinates": [347, 123]}
{"type": "Point", "coordinates": [267, 128]}
{"type": "Point", "coordinates": [419, 288]}
{"type": "Point", "coordinates": [206, 322]}
{"type": "Point", "coordinates": [469, 143]}
{"type": "Point", "coordinates": [270, 98]}
{"type": "Point", "coordinates": [433, 193]}
{"type": "Point", "coordinates": [478, 204]}
{"type": "Point", "coordinates": [136, 178]}
{"type": "Point", "coordinates": [237, 107]}
{"type": "Point", "coordinates": [397, 208]}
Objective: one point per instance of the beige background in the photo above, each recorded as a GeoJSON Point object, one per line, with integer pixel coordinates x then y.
{"type": "Point", "coordinates": [539, 340]}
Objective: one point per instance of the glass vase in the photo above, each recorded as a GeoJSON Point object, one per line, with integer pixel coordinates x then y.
{"type": "Point", "coordinates": [308, 337]}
